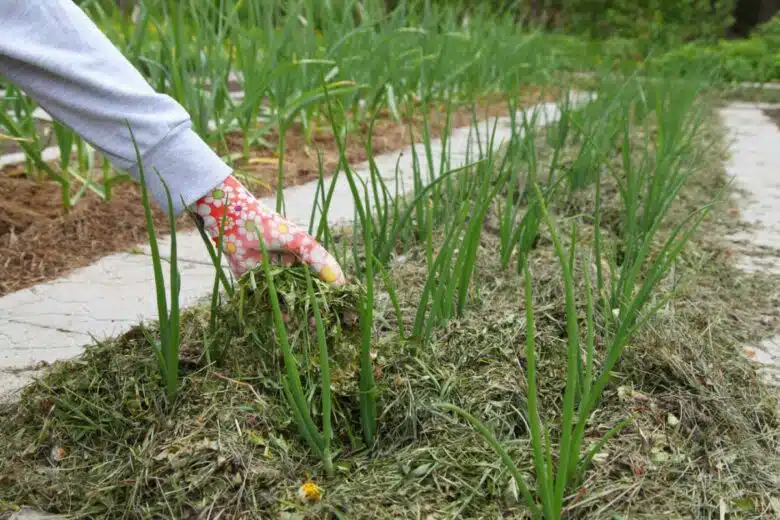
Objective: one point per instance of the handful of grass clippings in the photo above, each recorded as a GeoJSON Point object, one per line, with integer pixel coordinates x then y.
{"type": "Point", "coordinates": [313, 326]}
{"type": "Point", "coordinates": [249, 315]}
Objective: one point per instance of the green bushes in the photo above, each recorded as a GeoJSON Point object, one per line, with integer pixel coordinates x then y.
{"type": "Point", "coordinates": [662, 21]}
{"type": "Point", "coordinates": [667, 22]}
{"type": "Point", "coordinates": [769, 32]}
{"type": "Point", "coordinates": [756, 59]}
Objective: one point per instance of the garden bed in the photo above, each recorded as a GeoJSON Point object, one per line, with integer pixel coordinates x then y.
{"type": "Point", "coordinates": [39, 243]}
{"type": "Point", "coordinates": [96, 437]}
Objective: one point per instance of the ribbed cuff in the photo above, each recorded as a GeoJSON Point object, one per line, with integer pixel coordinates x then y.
{"type": "Point", "coordinates": [186, 164]}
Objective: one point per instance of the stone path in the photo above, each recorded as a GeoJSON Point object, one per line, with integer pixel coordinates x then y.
{"type": "Point", "coordinates": [755, 167]}
{"type": "Point", "coordinates": [53, 321]}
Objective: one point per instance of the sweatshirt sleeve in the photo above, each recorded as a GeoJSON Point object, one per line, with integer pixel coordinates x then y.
{"type": "Point", "coordinates": [53, 52]}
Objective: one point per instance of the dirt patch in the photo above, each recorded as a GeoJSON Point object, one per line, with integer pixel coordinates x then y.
{"type": "Point", "coordinates": [773, 114]}
{"type": "Point", "coordinates": [39, 243]}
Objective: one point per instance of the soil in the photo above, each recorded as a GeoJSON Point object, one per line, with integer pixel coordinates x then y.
{"type": "Point", "coordinates": [38, 242]}
{"type": "Point", "coordinates": [773, 114]}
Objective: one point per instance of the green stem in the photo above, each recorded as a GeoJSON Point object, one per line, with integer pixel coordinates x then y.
{"type": "Point", "coordinates": [327, 431]}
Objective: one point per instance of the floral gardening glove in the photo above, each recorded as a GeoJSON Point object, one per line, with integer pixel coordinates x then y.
{"type": "Point", "coordinates": [247, 221]}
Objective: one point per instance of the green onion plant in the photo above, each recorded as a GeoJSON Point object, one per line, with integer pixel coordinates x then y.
{"type": "Point", "coordinates": [560, 463]}
{"type": "Point", "coordinates": [166, 349]}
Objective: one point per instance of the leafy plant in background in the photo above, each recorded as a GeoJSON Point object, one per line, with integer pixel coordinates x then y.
{"type": "Point", "coordinates": [753, 59]}
{"type": "Point", "coordinates": [395, 52]}
{"type": "Point", "coordinates": [282, 53]}
{"type": "Point", "coordinates": [17, 116]}
{"type": "Point", "coordinates": [22, 124]}
{"type": "Point", "coordinates": [769, 32]}
{"type": "Point", "coordinates": [664, 21]}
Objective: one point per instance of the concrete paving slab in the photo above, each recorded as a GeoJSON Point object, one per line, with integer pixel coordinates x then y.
{"type": "Point", "coordinates": [755, 166]}
{"type": "Point", "coordinates": [12, 382]}
{"type": "Point", "coordinates": [49, 154]}
{"type": "Point", "coordinates": [27, 343]}
{"type": "Point", "coordinates": [102, 300]}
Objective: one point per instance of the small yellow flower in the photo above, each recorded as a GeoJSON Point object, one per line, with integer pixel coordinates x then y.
{"type": "Point", "coordinates": [309, 492]}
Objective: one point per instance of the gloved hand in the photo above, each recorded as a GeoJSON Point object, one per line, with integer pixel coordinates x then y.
{"type": "Point", "coordinates": [247, 222]}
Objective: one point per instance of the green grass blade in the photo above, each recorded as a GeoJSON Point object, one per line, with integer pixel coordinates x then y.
{"type": "Point", "coordinates": [572, 331]}
{"type": "Point", "coordinates": [290, 362]}
{"type": "Point", "coordinates": [367, 386]}
{"type": "Point", "coordinates": [393, 298]}
{"type": "Point", "coordinates": [327, 429]}
{"type": "Point", "coordinates": [159, 281]}
{"type": "Point", "coordinates": [401, 224]}
{"type": "Point", "coordinates": [216, 256]}
{"type": "Point", "coordinates": [544, 476]}
{"type": "Point", "coordinates": [585, 463]}
{"type": "Point", "coordinates": [303, 427]}
{"type": "Point", "coordinates": [174, 330]}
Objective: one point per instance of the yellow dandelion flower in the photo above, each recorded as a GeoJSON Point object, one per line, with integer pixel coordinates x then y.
{"type": "Point", "coordinates": [309, 492]}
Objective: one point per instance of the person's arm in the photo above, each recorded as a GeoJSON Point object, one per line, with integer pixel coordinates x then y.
{"type": "Point", "coordinates": [60, 58]}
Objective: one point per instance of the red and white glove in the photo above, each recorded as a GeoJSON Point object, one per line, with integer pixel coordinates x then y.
{"type": "Point", "coordinates": [247, 221]}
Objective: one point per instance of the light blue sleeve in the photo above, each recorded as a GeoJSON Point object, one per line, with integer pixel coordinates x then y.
{"type": "Point", "coordinates": [54, 52]}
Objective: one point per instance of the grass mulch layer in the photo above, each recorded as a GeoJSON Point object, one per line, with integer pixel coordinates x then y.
{"type": "Point", "coordinates": [96, 438]}
{"type": "Point", "coordinates": [38, 242]}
